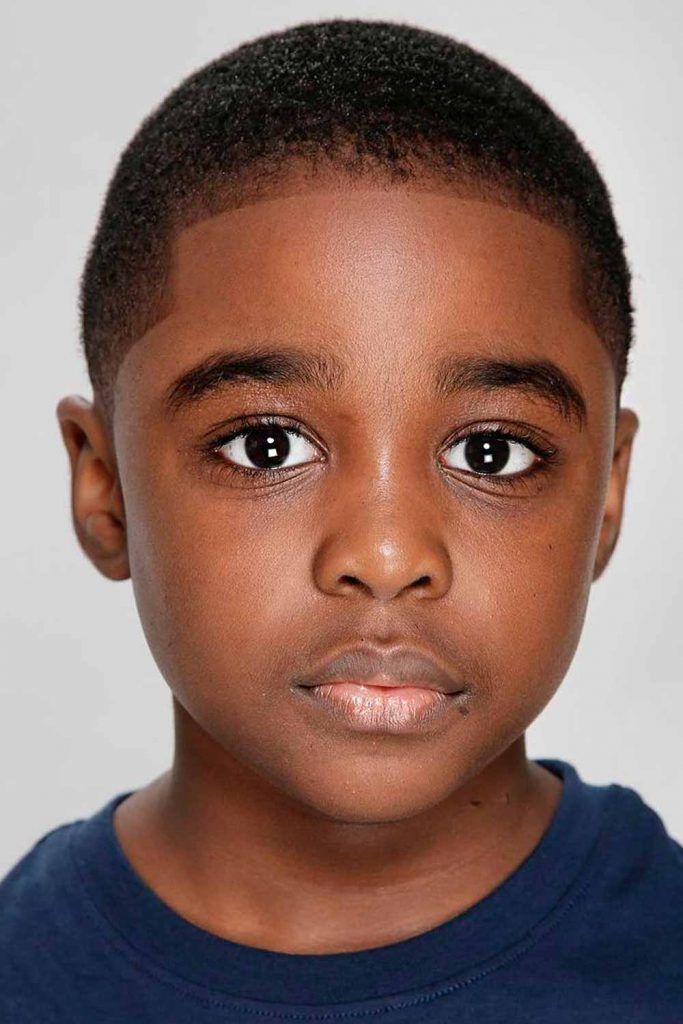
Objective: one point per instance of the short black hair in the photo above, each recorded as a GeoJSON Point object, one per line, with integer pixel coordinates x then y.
{"type": "Point", "coordinates": [361, 95]}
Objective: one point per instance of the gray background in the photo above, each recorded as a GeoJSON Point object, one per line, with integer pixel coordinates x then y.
{"type": "Point", "coordinates": [84, 712]}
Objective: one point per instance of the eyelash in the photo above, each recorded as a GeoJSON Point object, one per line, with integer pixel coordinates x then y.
{"type": "Point", "coordinates": [547, 455]}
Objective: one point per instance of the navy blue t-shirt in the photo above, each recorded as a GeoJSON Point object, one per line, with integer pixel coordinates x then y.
{"type": "Point", "coordinates": [589, 929]}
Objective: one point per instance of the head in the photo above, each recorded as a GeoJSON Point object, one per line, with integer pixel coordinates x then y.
{"type": "Point", "coordinates": [389, 249]}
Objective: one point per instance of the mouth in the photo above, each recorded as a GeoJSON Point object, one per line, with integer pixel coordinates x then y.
{"type": "Point", "coordinates": [374, 690]}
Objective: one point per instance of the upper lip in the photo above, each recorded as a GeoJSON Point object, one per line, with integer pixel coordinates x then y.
{"type": "Point", "coordinates": [395, 666]}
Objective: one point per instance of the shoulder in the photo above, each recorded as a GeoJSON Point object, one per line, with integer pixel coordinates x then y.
{"type": "Point", "coordinates": [38, 888]}
{"type": "Point", "coordinates": [47, 874]}
{"type": "Point", "coordinates": [47, 925]}
{"type": "Point", "coordinates": [640, 831]}
{"type": "Point", "coordinates": [638, 883]}
{"type": "Point", "coordinates": [32, 896]}
{"type": "Point", "coordinates": [25, 883]}
{"type": "Point", "coordinates": [630, 838]}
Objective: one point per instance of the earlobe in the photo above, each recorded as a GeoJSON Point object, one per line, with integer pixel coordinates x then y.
{"type": "Point", "coordinates": [626, 429]}
{"type": "Point", "coordinates": [604, 554]}
{"type": "Point", "coordinates": [106, 531]}
{"type": "Point", "coordinates": [97, 507]}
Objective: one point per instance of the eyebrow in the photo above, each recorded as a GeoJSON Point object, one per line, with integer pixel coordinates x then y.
{"type": "Point", "coordinates": [322, 370]}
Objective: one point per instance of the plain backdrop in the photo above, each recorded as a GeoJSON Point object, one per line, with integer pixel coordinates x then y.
{"type": "Point", "coordinates": [84, 712]}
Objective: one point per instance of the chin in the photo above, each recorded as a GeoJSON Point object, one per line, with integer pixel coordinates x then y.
{"type": "Point", "coordinates": [376, 799]}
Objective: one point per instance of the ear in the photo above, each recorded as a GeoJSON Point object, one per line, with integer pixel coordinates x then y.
{"type": "Point", "coordinates": [96, 500]}
{"type": "Point", "coordinates": [625, 431]}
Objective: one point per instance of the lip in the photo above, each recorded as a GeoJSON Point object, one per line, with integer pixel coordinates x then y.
{"type": "Point", "coordinates": [398, 689]}
{"type": "Point", "coordinates": [386, 667]}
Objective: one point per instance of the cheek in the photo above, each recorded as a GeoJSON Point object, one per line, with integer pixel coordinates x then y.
{"type": "Point", "coordinates": [530, 599]}
{"type": "Point", "coordinates": [210, 581]}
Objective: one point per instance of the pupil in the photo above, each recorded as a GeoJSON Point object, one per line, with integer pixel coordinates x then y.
{"type": "Point", "coordinates": [267, 446]}
{"type": "Point", "coordinates": [487, 453]}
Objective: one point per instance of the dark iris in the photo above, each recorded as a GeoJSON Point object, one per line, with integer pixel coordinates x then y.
{"type": "Point", "coordinates": [267, 445]}
{"type": "Point", "coordinates": [487, 453]}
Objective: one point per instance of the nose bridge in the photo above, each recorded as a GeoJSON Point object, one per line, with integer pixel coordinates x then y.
{"type": "Point", "coordinates": [385, 533]}
{"type": "Point", "coordinates": [386, 466]}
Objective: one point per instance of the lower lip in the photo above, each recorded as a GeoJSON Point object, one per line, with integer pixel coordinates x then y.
{"type": "Point", "coordinates": [383, 709]}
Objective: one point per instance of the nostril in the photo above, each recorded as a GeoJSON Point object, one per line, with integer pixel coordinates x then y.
{"type": "Point", "coordinates": [349, 579]}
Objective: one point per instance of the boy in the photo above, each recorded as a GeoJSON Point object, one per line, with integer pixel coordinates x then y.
{"type": "Point", "coordinates": [357, 318]}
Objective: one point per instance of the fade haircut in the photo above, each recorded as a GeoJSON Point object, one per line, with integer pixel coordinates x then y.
{"type": "Point", "coordinates": [361, 96]}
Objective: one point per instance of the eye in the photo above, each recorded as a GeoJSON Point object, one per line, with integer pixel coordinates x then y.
{"type": "Point", "coordinates": [266, 446]}
{"type": "Point", "coordinates": [492, 453]}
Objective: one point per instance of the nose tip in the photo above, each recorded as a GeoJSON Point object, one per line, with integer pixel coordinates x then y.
{"type": "Point", "coordinates": [385, 570]}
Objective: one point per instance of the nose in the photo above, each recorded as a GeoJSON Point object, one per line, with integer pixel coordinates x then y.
{"type": "Point", "coordinates": [383, 556]}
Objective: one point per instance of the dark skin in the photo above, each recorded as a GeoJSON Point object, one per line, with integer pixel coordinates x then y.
{"type": "Point", "coordinates": [274, 827]}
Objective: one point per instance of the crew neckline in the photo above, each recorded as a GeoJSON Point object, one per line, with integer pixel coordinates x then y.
{"type": "Point", "coordinates": [164, 939]}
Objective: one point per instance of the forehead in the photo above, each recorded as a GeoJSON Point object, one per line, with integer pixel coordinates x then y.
{"type": "Point", "coordinates": [390, 242]}
{"type": "Point", "coordinates": [389, 278]}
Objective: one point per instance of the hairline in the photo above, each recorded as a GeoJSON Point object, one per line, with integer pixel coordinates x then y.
{"type": "Point", "coordinates": [295, 174]}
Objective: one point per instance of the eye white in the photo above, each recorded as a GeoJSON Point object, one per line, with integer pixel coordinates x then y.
{"type": "Point", "coordinates": [520, 457]}
{"type": "Point", "coordinates": [235, 450]}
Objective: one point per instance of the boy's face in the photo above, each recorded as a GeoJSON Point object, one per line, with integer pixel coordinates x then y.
{"type": "Point", "coordinates": [376, 529]}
